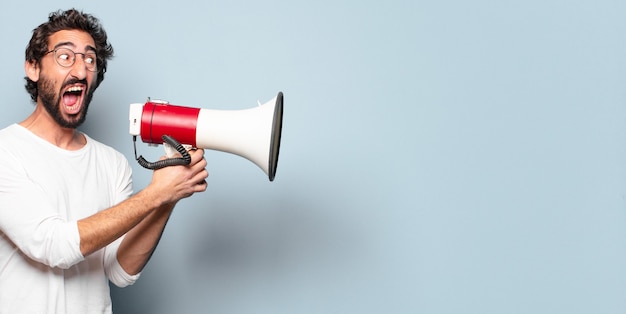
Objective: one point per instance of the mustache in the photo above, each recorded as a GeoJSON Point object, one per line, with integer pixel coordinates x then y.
{"type": "Point", "coordinates": [75, 81]}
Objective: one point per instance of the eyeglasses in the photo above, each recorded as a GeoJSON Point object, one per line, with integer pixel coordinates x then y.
{"type": "Point", "coordinates": [66, 58]}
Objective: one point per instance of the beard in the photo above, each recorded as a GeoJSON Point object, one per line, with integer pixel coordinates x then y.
{"type": "Point", "coordinates": [52, 101]}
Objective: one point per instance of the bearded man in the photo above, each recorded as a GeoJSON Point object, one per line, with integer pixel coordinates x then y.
{"type": "Point", "coordinates": [69, 221]}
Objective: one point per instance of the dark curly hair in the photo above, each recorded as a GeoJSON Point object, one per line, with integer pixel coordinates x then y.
{"type": "Point", "coordinates": [68, 20]}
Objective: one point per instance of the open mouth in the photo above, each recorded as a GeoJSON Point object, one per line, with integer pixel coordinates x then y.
{"type": "Point", "coordinates": [72, 99]}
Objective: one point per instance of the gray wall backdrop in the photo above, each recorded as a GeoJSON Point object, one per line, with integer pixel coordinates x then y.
{"type": "Point", "coordinates": [437, 157]}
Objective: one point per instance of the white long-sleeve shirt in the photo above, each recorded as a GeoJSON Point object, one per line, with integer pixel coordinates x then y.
{"type": "Point", "coordinates": [44, 191]}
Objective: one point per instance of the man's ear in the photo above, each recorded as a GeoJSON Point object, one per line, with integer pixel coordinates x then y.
{"type": "Point", "coordinates": [32, 70]}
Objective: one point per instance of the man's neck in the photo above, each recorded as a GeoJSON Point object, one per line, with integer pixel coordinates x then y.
{"type": "Point", "coordinates": [43, 125]}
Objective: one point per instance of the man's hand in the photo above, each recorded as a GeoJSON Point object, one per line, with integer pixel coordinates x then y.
{"type": "Point", "coordinates": [174, 183]}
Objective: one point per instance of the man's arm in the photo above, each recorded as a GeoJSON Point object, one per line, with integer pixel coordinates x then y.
{"type": "Point", "coordinates": [143, 216]}
{"type": "Point", "coordinates": [141, 241]}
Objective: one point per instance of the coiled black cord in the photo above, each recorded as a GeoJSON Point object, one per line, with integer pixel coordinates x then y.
{"type": "Point", "coordinates": [184, 160]}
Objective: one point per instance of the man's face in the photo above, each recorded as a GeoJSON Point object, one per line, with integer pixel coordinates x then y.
{"type": "Point", "coordinates": [65, 92]}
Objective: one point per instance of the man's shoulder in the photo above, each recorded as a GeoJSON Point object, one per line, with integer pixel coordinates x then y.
{"type": "Point", "coordinates": [12, 133]}
{"type": "Point", "coordinates": [16, 143]}
{"type": "Point", "coordinates": [102, 148]}
{"type": "Point", "coordinates": [11, 128]}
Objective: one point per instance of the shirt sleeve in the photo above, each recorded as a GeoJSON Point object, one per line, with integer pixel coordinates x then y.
{"type": "Point", "coordinates": [29, 220]}
{"type": "Point", "coordinates": [114, 271]}
{"type": "Point", "coordinates": [124, 189]}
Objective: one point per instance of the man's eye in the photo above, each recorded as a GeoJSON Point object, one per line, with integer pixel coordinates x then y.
{"type": "Point", "coordinates": [64, 56]}
{"type": "Point", "coordinates": [90, 59]}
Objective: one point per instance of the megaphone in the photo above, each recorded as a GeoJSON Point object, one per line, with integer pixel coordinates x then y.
{"type": "Point", "coordinates": [250, 133]}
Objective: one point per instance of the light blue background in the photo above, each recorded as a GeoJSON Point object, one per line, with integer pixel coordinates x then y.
{"type": "Point", "coordinates": [437, 156]}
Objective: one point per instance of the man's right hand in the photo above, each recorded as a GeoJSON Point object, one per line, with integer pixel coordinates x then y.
{"type": "Point", "coordinates": [174, 183]}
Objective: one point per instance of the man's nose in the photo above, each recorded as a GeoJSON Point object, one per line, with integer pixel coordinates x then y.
{"type": "Point", "coordinates": [79, 68]}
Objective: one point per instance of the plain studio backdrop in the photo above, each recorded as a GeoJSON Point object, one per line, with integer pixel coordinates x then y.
{"type": "Point", "coordinates": [437, 156]}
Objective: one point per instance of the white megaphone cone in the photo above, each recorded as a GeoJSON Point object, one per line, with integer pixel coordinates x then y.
{"type": "Point", "coordinates": [250, 133]}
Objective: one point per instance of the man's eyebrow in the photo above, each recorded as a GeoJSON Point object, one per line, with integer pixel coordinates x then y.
{"type": "Point", "coordinates": [65, 43]}
{"type": "Point", "coordinates": [71, 44]}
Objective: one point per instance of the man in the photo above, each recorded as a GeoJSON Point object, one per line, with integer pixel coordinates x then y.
{"type": "Point", "coordinates": [68, 222]}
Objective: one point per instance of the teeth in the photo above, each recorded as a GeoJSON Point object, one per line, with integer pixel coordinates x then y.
{"type": "Point", "coordinates": [75, 89]}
